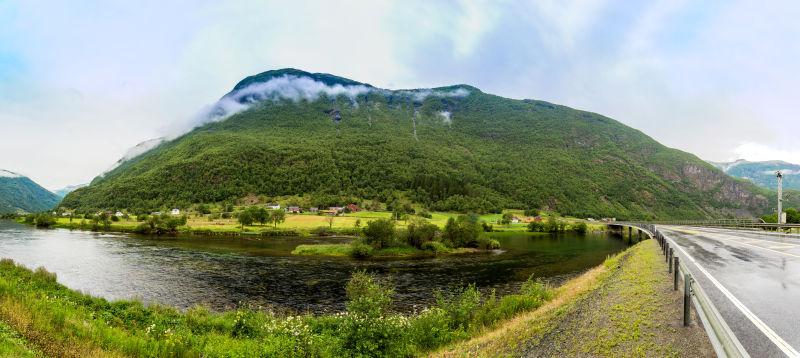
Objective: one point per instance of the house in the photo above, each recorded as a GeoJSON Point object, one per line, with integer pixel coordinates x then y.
{"type": "Point", "coordinates": [515, 220]}
{"type": "Point", "coordinates": [294, 209]}
{"type": "Point", "coordinates": [336, 209]}
{"type": "Point", "coordinates": [66, 213]}
{"type": "Point", "coordinates": [175, 212]}
{"type": "Point", "coordinates": [537, 219]}
{"type": "Point", "coordinates": [273, 206]}
{"type": "Point", "coordinates": [313, 209]}
{"type": "Point", "coordinates": [156, 213]}
{"type": "Point", "coordinates": [119, 214]}
{"type": "Point", "coordinates": [353, 208]}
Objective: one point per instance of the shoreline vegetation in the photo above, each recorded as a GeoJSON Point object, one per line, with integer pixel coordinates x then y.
{"type": "Point", "coordinates": [373, 233]}
{"type": "Point", "coordinates": [58, 321]}
{"type": "Point", "coordinates": [624, 307]}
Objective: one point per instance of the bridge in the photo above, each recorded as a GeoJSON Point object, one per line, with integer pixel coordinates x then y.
{"type": "Point", "coordinates": [742, 277]}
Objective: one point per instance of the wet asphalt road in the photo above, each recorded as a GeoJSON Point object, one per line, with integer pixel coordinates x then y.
{"type": "Point", "coordinates": [759, 270]}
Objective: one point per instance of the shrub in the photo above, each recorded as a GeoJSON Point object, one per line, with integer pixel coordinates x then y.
{"type": "Point", "coordinates": [536, 288]}
{"type": "Point", "coordinates": [368, 296]}
{"type": "Point", "coordinates": [360, 250]}
{"type": "Point", "coordinates": [380, 233]}
{"type": "Point", "coordinates": [434, 246]}
{"type": "Point", "coordinates": [580, 228]}
{"type": "Point", "coordinates": [44, 220]}
{"type": "Point", "coordinates": [536, 226]}
{"type": "Point", "coordinates": [489, 244]}
{"type": "Point", "coordinates": [420, 232]}
{"type": "Point", "coordinates": [463, 231]}
{"type": "Point", "coordinates": [425, 214]}
{"type": "Point", "coordinates": [487, 227]}
{"type": "Point", "coordinates": [459, 305]}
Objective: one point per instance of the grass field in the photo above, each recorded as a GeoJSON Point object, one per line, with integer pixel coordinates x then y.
{"type": "Point", "coordinates": [300, 223]}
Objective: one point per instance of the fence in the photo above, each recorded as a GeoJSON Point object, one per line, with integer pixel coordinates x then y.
{"type": "Point", "coordinates": [722, 338]}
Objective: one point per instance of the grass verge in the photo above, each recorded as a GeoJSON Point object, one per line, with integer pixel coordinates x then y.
{"type": "Point", "coordinates": [626, 307]}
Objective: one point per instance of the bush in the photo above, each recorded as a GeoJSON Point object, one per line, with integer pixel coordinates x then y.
{"type": "Point", "coordinates": [368, 296]}
{"type": "Point", "coordinates": [44, 220]}
{"type": "Point", "coordinates": [434, 246]}
{"type": "Point", "coordinates": [536, 288]}
{"type": "Point", "coordinates": [489, 244]}
{"type": "Point", "coordinates": [463, 231]}
{"type": "Point", "coordinates": [580, 228]}
{"type": "Point", "coordinates": [425, 214]}
{"type": "Point", "coordinates": [380, 233]}
{"type": "Point", "coordinates": [536, 226]}
{"type": "Point", "coordinates": [360, 250]}
{"type": "Point", "coordinates": [420, 232]}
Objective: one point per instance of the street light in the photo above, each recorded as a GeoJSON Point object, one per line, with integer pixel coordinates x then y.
{"type": "Point", "coordinates": [780, 196]}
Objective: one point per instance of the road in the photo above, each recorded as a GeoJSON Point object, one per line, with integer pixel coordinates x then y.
{"type": "Point", "coordinates": [753, 278]}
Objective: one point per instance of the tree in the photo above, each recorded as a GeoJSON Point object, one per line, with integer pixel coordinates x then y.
{"type": "Point", "coordinates": [330, 219]}
{"type": "Point", "coordinates": [420, 232]}
{"type": "Point", "coordinates": [380, 233]}
{"type": "Point", "coordinates": [245, 218]}
{"type": "Point", "coordinates": [260, 215]}
{"type": "Point", "coordinates": [506, 219]}
{"type": "Point", "coordinates": [463, 231]}
{"type": "Point", "coordinates": [277, 217]}
{"type": "Point", "coordinates": [536, 226]}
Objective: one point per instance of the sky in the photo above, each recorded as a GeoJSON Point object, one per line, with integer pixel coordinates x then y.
{"type": "Point", "coordinates": [81, 82]}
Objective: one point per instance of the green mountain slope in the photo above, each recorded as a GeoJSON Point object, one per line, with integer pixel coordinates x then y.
{"type": "Point", "coordinates": [763, 173]}
{"type": "Point", "coordinates": [20, 194]}
{"type": "Point", "coordinates": [449, 148]}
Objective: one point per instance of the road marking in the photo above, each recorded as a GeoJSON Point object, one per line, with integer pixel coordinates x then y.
{"type": "Point", "coordinates": [716, 236]}
{"type": "Point", "coordinates": [785, 347]}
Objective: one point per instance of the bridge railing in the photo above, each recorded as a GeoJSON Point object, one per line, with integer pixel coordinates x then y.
{"type": "Point", "coordinates": [722, 338]}
{"type": "Point", "coordinates": [733, 223]}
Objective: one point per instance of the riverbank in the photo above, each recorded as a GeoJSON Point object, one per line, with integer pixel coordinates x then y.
{"type": "Point", "coordinates": [13, 345]}
{"type": "Point", "coordinates": [65, 323]}
{"type": "Point", "coordinates": [625, 307]}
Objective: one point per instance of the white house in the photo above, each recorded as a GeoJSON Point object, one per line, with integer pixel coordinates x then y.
{"type": "Point", "coordinates": [176, 211]}
{"type": "Point", "coordinates": [119, 214]}
{"type": "Point", "coordinates": [515, 220]}
{"type": "Point", "coordinates": [273, 206]}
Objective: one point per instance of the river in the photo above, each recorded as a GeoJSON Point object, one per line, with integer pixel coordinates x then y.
{"type": "Point", "coordinates": [227, 273]}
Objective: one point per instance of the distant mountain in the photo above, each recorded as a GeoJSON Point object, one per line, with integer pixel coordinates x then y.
{"type": "Point", "coordinates": [763, 173]}
{"type": "Point", "coordinates": [68, 189]}
{"type": "Point", "coordinates": [330, 140]}
{"type": "Point", "coordinates": [20, 194]}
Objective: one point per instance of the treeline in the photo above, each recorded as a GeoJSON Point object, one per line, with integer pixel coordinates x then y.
{"type": "Point", "coordinates": [792, 217]}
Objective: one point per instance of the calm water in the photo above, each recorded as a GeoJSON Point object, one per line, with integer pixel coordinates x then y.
{"type": "Point", "coordinates": [225, 273]}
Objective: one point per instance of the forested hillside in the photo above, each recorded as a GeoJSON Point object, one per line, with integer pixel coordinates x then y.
{"type": "Point", "coordinates": [20, 194]}
{"type": "Point", "coordinates": [336, 141]}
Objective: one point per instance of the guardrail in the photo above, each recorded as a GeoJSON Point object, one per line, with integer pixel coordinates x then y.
{"type": "Point", "coordinates": [722, 338]}
{"type": "Point", "coordinates": [733, 223]}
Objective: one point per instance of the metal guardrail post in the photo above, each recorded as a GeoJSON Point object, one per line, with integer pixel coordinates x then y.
{"type": "Point", "coordinates": [677, 273]}
{"type": "Point", "coordinates": [669, 258]}
{"type": "Point", "coordinates": [687, 300]}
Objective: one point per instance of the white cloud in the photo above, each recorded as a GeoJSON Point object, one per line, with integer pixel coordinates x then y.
{"type": "Point", "coordinates": [760, 152]}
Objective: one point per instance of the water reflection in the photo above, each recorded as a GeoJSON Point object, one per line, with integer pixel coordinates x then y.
{"type": "Point", "coordinates": [224, 273]}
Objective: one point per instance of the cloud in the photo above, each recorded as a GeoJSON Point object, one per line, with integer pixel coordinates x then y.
{"type": "Point", "coordinates": [759, 152]}
{"type": "Point", "coordinates": [446, 117]}
{"type": "Point", "coordinates": [8, 174]}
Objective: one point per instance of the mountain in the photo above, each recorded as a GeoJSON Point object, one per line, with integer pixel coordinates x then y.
{"type": "Point", "coordinates": [763, 173]}
{"type": "Point", "coordinates": [68, 189]}
{"type": "Point", "coordinates": [331, 140]}
{"type": "Point", "coordinates": [20, 194]}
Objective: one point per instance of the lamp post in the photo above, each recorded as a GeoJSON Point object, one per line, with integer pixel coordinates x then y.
{"type": "Point", "coordinates": [780, 196]}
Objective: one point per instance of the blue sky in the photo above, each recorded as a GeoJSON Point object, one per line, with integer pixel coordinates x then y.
{"type": "Point", "coordinates": [81, 82]}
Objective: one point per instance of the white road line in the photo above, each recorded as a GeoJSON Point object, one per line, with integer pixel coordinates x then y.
{"type": "Point", "coordinates": [774, 337]}
{"type": "Point", "coordinates": [717, 237]}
